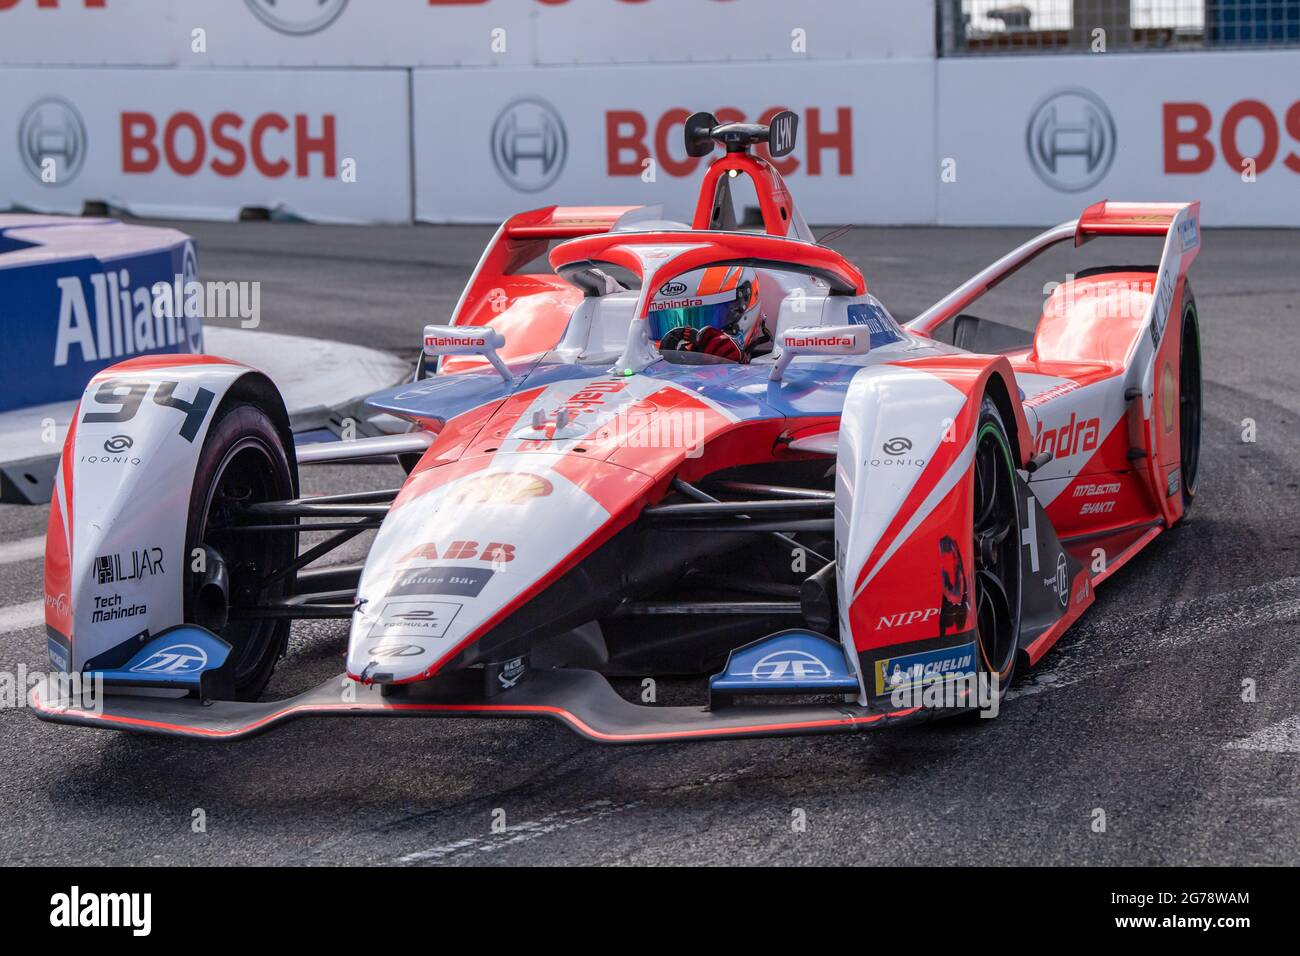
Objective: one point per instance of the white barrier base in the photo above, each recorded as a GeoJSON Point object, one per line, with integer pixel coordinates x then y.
{"type": "Point", "coordinates": [313, 375]}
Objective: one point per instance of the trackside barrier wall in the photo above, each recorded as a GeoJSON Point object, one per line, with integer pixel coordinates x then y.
{"type": "Point", "coordinates": [394, 110]}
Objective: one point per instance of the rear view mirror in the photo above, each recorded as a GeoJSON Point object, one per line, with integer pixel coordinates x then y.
{"type": "Point", "coordinates": [820, 340]}
{"type": "Point", "coordinates": [467, 340]}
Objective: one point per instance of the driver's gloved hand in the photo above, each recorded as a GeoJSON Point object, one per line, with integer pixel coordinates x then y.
{"type": "Point", "coordinates": [680, 338]}
{"type": "Point", "coordinates": [708, 340]}
{"type": "Point", "coordinates": [718, 343]}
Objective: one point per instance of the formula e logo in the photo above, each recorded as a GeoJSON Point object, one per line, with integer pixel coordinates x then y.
{"type": "Point", "coordinates": [52, 141]}
{"type": "Point", "coordinates": [177, 659]}
{"type": "Point", "coordinates": [118, 444]}
{"type": "Point", "coordinates": [790, 665]}
{"type": "Point", "coordinates": [529, 144]}
{"type": "Point", "coordinates": [1071, 140]}
{"type": "Point", "coordinates": [896, 446]}
{"type": "Point", "coordinates": [297, 17]}
{"type": "Point", "coordinates": [672, 288]}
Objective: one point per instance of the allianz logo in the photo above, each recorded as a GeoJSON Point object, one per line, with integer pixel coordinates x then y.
{"type": "Point", "coordinates": [106, 316]}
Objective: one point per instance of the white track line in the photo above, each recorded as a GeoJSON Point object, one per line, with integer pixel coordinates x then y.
{"type": "Point", "coordinates": [19, 617]}
{"type": "Point", "coordinates": [1280, 738]}
{"type": "Point", "coordinates": [23, 550]}
{"type": "Point", "coordinates": [521, 832]}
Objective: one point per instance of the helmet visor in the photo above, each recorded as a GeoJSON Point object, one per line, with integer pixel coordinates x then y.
{"type": "Point", "coordinates": [715, 315]}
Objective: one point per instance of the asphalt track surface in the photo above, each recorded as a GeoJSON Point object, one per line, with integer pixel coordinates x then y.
{"type": "Point", "coordinates": [1138, 712]}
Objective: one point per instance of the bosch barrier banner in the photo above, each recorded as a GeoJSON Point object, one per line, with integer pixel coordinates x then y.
{"type": "Point", "coordinates": [1059, 133]}
{"type": "Point", "coordinates": [328, 146]}
{"type": "Point", "coordinates": [386, 33]}
{"type": "Point", "coordinates": [616, 136]}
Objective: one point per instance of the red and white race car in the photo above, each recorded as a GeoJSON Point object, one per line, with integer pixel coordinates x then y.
{"type": "Point", "coordinates": [677, 450]}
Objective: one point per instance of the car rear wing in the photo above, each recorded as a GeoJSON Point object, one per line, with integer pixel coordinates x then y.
{"type": "Point", "coordinates": [526, 236]}
{"type": "Point", "coordinates": [1132, 219]}
{"type": "Point", "coordinates": [1100, 219]}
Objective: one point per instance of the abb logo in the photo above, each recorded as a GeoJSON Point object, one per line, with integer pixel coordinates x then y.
{"type": "Point", "coordinates": [1189, 148]}
{"type": "Point", "coordinates": [494, 553]}
{"type": "Point", "coordinates": [629, 141]}
{"type": "Point", "coordinates": [53, 4]}
{"type": "Point", "coordinates": [227, 144]}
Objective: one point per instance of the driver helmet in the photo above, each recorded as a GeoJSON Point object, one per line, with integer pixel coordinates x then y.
{"type": "Point", "coordinates": [722, 298]}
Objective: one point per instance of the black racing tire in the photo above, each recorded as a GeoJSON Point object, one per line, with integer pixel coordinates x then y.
{"type": "Point", "coordinates": [996, 526]}
{"type": "Point", "coordinates": [1189, 399]}
{"type": "Point", "coordinates": [243, 460]}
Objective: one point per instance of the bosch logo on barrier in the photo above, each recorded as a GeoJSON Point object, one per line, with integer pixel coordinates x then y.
{"type": "Point", "coordinates": [632, 138]}
{"type": "Point", "coordinates": [297, 17]}
{"type": "Point", "coordinates": [52, 141]}
{"type": "Point", "coordinates": [1071, 140]}
{"type": "Point", "coordinates": [529, 144]}
{"type": "Point", "coordinates": [227, 143]}
{"type": "Point", "coordinates": [1189, 148]}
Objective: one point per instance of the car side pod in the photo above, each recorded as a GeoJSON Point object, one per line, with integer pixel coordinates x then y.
{"type": "Point", "coordinates": [796, 661]}
{"type": "Point", "coordinates": [185, 657]}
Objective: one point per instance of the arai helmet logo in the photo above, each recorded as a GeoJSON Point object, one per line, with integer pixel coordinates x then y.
{"type": "Point", "coordinates": [672, 288]}
{"type": "Point", "coordinates": [176, 659]}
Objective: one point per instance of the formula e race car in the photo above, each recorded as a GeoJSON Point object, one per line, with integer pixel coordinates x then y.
{"type": "Point", "coordinates": [679, 450]}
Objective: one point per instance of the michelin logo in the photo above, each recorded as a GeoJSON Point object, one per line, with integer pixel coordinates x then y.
{"type": "Point", "coordinates": [913, 670]}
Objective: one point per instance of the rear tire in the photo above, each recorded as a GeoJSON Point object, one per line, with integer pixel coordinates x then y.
{"type": "Point", "coordinates": [243, 461]}
{"type": "Point", "coordinates": [1189, 399]}
{"type": "Point", "coordinates": [996, 549]}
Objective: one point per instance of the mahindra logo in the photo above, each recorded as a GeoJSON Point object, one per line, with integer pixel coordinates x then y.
{"type": "Point", "coordinates": [897, 446]}
{"type": "Point", "coordinates": [435, 342]}
{"type": "Point", "coordinates": [52, 141]}
{"type": "Point", "coordinates": [827, 341]}
{"type": "Point", "coordinates": [672, 288]}
{"type": "Point", "coordinates": [1071, 140]}
{"type": "Point", "coordinates": [118, 444]}
{"type": "Point", "coordinates": [297, 17]}
{"type": "Point", "coordinates": [529, 144]}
